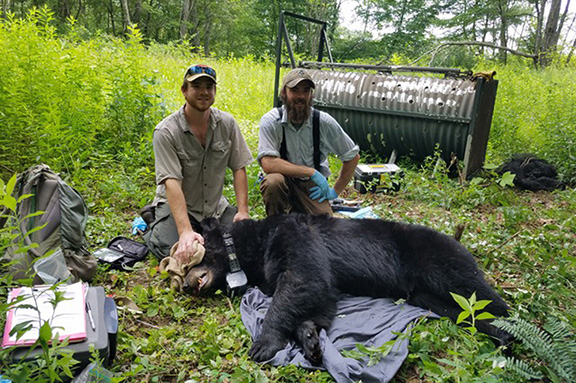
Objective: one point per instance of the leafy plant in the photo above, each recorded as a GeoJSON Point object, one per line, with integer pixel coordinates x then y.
{"type": "Point", "coordinates": [443, 352]}
{"type": "Point", "coordinates": [53, 362]}
{"type": "Point", "coordinates": [470, 307]}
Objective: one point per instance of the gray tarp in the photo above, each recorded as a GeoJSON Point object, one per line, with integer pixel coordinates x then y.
{"type": "Point", "coordinates": [359, 320]}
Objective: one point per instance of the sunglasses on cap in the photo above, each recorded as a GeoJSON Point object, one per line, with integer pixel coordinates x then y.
{"type": "Point", "coordinates": [198, 69]}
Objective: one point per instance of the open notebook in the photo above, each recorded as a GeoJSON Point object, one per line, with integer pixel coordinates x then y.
{"type": "Point", "coordinates": [68, 319]}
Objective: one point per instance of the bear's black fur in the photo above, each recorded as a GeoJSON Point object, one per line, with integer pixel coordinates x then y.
{"type": "Point", "coordinates": [304, 262]}
{"type": "Point", "coordinates": [532, 173]}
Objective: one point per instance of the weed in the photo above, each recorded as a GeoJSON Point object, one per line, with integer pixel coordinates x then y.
{"type": "Point", "coordinates": [101, 99]}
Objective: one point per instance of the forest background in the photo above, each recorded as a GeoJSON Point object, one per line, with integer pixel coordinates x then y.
{"type": "Point", "coordinates": [83, 83]}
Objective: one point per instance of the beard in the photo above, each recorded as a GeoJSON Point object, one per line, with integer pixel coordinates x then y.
{"type": "Point", "coordinates": [298, 109]}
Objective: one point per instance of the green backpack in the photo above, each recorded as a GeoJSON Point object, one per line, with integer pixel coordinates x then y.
{"type": "Point", "coordinates": [65, 215]}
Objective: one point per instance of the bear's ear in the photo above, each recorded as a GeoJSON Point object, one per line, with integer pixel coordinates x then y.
{"type": "Point", "coordinates": [210, 225]}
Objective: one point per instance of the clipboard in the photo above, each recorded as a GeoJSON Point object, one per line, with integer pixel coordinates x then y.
{"type": "Point", "coordinates": [33, 307]}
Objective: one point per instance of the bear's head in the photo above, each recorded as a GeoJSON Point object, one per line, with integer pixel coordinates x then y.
{"type": "Point", "coordinates": [210, 274]}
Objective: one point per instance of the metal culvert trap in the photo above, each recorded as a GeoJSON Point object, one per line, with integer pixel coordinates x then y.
{"type": "Point", "coordinates": [409, 114]}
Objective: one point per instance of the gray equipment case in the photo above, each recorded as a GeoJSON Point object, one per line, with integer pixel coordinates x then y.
{"type": "Point", "coordinates": [376, 178]}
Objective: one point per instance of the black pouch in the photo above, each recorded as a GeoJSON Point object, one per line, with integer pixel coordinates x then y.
{"type": "Point", "coordinates": [122, 253]}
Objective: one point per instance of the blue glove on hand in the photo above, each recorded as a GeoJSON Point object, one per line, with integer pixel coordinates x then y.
{"type": "Point", "coordinates": [331, 195]}
{"type": "Point", "coordinates": [322, 189]}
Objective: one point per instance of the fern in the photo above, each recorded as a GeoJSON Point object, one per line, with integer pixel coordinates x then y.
{"type": "Point", "coordinates": [554, 345]}
{"type": "Point", "coordinates": [557, 328]}
{"type": "Point", "coordinates": [522, 369]}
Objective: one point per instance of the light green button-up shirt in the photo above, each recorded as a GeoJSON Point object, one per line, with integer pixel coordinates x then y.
{"type": "Point", "coordinates": [300, 143]}
{"type": "Point", "coordinates": [179, 155]}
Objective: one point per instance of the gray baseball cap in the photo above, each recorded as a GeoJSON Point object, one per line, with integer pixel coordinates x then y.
{"type": "Point", "coordinates": [295, 77]}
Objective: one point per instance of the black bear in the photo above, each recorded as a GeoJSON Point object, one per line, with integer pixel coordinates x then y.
{"type": "Point", "coordinates": [303, 262]}
{"type": "Point", "coordinates": [532, 173]}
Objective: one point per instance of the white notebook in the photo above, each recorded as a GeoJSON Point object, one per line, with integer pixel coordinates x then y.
{"type": "Point", "coordinates": [68, 318]}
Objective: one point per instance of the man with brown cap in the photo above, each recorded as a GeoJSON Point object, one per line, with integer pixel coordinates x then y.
{"type": "Point", "coordinates": [192, 148]}
{"type": "Point", "coordinates": [294, 156]}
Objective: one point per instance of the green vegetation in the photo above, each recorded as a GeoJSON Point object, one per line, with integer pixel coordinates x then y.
{"type": "Point", "coordinates": [87, 108]}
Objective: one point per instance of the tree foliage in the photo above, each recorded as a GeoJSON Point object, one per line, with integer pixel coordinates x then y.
{"type": "Point", "coordinates": [397, 28]}
{"type": "Point", "coordinates": [224, 28]}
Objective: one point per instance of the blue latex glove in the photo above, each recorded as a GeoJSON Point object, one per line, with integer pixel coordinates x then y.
{"type": "Point", "coordinates": [331, 195]}
{"type": "Point", "coordinates": [322, 189]}
{"type": "Point", "coordinates": [138, 224]}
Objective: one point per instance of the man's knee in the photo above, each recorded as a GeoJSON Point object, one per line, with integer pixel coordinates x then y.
{"type": "Point", "coordinates": [276, 194]}
{"type": "Point", "coordinates": [228, 216]}
{"type": "Point", "coordinates": [274, 184]}
{"type": "Point", "coordinates": [162, 233]}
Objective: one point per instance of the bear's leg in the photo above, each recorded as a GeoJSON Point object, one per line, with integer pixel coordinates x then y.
{"type": "Point", "coordinates": [300, 306]}
{"type": "Point", "coordinates": [308, 338]}
{"type": "Point", "coordinates": [307, 335]}
{"type": "Point", "coordinates": [297, 259]}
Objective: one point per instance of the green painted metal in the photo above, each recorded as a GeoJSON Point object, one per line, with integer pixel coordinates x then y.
{"type": "Point", "coordinates": [410, 115]}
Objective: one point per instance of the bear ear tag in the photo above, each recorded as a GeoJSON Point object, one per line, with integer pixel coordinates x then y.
{"type": "Point", "coordinates": [236, 280]}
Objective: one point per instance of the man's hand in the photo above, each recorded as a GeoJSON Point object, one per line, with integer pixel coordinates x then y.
{"type": "Point", "coordinates": [185, 249]}
{"type": "Point", "coordinates": [330, 196]}
{"type": "Point", "coordinates": [241, 216]}
{"type": "Point", "coordinates": [320, 191]}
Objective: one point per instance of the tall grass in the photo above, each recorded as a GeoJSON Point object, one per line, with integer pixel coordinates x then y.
{"type": "Point", "coordinates": [536, 112]}
{"type": "Point", "coordinates": [88, 108]}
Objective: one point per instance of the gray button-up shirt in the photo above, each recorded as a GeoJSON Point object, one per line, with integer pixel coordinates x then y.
{"type": "Point", "coordinates": [300, 143]}
{"type": "Point", "coordinates": [179, 155]}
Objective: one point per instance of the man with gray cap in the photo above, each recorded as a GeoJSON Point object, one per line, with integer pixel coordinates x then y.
{"type": "Point", "coordinates": [294, 143]}
{"type": "Point", "coordinates": [192, 148]}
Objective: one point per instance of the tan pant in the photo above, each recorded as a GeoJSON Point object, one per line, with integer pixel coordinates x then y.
{"type": "Point", "coordinates": [162, 234]}
{"type": "Point", "coordinates": [290, 195]}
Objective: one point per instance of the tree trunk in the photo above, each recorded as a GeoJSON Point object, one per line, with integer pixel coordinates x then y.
{"type": "Point", "coordinates": [569, 57]}
{"type": "Point", "coordinates": [81, 11]}
{"type": "Point", "coordinates": [551, 33]}
{"type": "Point", "coordinates": [145, 28]}
{"type": "Point", "coordinates": [110, 8]}
{"type": "Point", "coordinates": [207, 33]}
{"type": "Point", "coordinates": [194, 22]}
{"type": "Point", "coordinates": [539, 25]}
{"type": "Point", "coordinates": [137, 16]}
{"type": "Point", "coordinates": [184, 18]}
{"type": "Point", "coordinates": [125, 15]}
{"type": "Point", "coordinates": [64, 10]}
{"type": "Point", "coordinates": [502, 12]}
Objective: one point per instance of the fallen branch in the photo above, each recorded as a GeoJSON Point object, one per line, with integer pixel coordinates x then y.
{"type": "Point", "coordinates": [148, 324]}
{"type": "Point", "coordinates": [482, 44]}
{"type": "Point", "coordinates": [505, 241]}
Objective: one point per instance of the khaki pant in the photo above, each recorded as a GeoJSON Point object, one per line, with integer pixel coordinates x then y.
{"type": "Point", "coordinates": [290, 195]}
{"type": "Point", "coordinates": [163, 234]}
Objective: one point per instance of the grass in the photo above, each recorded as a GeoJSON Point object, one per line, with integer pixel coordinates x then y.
{"type": "Point", "coordinates": [101, 101]}
{"type": "Point", "coordinates": [524, 242]}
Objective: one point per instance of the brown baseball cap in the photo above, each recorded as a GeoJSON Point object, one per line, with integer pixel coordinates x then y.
{"type": "Point", "coordinates": [295, 77]}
